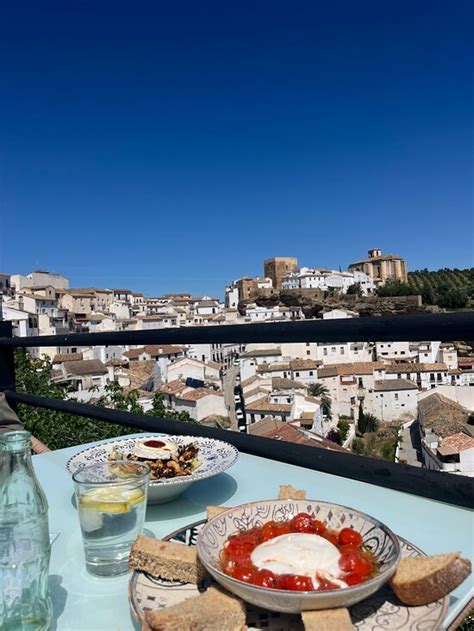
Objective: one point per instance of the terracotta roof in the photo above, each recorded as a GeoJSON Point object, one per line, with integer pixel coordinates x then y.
{"type": "Point", "coordinates": [194, 394]}
{"type": "Point", "coordinates": [172, 387]}
{"type": "Point", "coordinates": [279, 430]}
{"type": "Point", "coordinates": [304, 364]}
{"type": "Point", "coordinates": [154, 350]}
{"type": "Point", "coordinates": [249, 380]}
{"type": "Point", "coordinates": [158, 316]}
{"type": "Point", "coordinates": [442, 415]}
{"type": "Point", "coordinates": [455, 443]}
{"type": "Point", "coordinates": [85, 367]}
{"type": "Point", "coordinates": [262, 405]}
{"type": "Point", "coordinates": [383, 257]}
{"type": "Point", "coordinates": [140, 373]}
{"type": "Point", "coordinates": [67, 357]}
{"type": "Point", "coordinates": [400, 368]}
{"type": "Point", "coordinates": [390, 385]}
{"type": "Point", "coordinates": [262, 352]}
{"type": "Point", "coordinates": [272, 367]}
{"type": "Point", "coordinates": [116, 362]}
{"type": "Point", "coordinates": [358, 368]}
{"type": "Point", "coordinates": [282, 383]}
{"type": "Point", "coordinates": [455, 371]}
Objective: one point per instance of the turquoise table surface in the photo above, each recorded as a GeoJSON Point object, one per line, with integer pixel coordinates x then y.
{"type": "Point", "coordinates": [85, 603]}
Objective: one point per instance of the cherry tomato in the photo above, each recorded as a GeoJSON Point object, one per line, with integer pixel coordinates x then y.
{"type": "Point", "coordinates": [238, 550]}
{"type": "Point", "coordinates": [270, 530]}
{"type": "Point", "coordinates": [298, 583]}
{"type": "Point", "coordinates": [319, 527]}
{"type": "Point", "coordinates": [331, 536]}
{"type": "Point", "coordinates": [353, 579]}
{"type": "Point", "coordinates": [265, 578]}
{"type": "Point", "coordinates": [245, 573]}
{"type": "Point", "coordinates": [349, 547]}
{"type": "Point", "coordinates": [325, 585]}
{"type": "Point", "coordinates": [363, 567]}
{"type": "Point", "coordinates": [302, 522]}
{"type": "Point", "coordinates": [284, 528]}
{"type": "Point", "coordinates": [348, 560]}
{"type": "Point", "coordinates": [349, 535]}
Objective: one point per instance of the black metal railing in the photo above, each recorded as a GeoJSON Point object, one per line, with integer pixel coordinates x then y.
{"type": "Point", "coordinates": [444, 487]}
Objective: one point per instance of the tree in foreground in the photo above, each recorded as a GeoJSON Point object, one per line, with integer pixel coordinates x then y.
{"type": "Point", "coordinates": [320, 391]}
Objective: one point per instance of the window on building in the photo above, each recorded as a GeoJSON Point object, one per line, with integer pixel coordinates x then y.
{"type": "Point", "coordinates": [396, 396]}
{"type": "Point", "coordinates": [342, 350]}
{"type": "Point", "coordinates": [297, 374]}
{"type": "Point", "coordinates": [325, 351]}
{"type": "Point", "coordinates": [333, 349]}
{"type": "Point", "coordinates": [308, 352]}
{"type": "Point", "coordinates": [310, 373]}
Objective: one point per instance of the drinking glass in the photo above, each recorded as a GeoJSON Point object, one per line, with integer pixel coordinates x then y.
{"type": "Point", "coordinates": [111, 502]}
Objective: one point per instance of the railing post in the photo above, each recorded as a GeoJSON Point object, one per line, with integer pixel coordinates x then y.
{"type": "Point", "coordinates": [7, 361]}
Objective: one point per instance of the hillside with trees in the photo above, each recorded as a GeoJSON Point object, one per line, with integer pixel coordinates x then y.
{"type": "Point", "coordinates": [447, 288]}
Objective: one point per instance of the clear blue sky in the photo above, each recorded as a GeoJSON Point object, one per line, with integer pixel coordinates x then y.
{"type": "Point", "coordinates": [169, 146]}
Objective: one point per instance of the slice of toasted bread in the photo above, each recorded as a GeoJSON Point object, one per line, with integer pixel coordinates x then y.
{"type": "Point", "coordinates": [213, 511]}
{"type": "Point", "coordinates": [168, 560]}
{"type": "Point", "coordinates": [327, 620]}
{"type": "Point", "coordinates": [170, 622]}
{"type": "Point", "coordinates": [287, 492]}
{"type": "Point", "coordinates": [423, 580]}
{"type": "Point", "coordinates": [215, 610]}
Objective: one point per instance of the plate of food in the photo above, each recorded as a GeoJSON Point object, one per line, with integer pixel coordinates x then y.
{"type": "Point", "coordinates": [171, 587]}
{"type": "Point", "coordinates": [175, 461]}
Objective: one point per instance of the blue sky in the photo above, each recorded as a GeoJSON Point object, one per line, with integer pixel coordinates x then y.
{"type": "Point", "coordinates": [175, 146]}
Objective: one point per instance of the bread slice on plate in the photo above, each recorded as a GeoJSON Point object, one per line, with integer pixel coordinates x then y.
{"type": "Point", "coordinates": [168, 560]}
{"type": "Point", "coordinates": [422, 580]}
{"type": "Point", "coordinates": [287, 492]}
{"type": "Point", "coordinates": [327, 620]}
{"type": "Point", "coordinates": [215, 610]}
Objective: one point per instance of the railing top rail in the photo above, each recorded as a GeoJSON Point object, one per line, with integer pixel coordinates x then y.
{"type": "Point", "coordinates": [443, 327]}
{"type": "Point", "coordinates": [452, 489]}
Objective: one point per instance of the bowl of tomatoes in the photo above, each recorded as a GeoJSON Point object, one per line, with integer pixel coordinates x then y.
{"type": "Point", "coordinates": [298, 555]}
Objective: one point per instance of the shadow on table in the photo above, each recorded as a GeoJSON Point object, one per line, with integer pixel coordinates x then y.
{"type": "Point", "coordinates": [58, 598]}
{"type": "Point", "coordinates": [214, 491]}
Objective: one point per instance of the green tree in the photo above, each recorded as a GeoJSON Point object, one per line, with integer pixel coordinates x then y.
{"type": "Point", "coordinates": [343, 426]}
{"type": "Point", "coordinates": [58, 429]}
{"type": "Point", "coordinates": [320, 391]}
{"type": "Point", "coordinates": [394, 288]}
{"type": "Point", "coordinates": [355, 289]}
{"type": "Point", "coordinates": [55, 429]}
{"type": "Point", "coordinates": [371, 422]}
{"type": "Point", "coordinates": [452, 298]}
{"type": "Point", "coordinates": [361, 422]}
{"type": "Point", "coordinates": [158, 409]}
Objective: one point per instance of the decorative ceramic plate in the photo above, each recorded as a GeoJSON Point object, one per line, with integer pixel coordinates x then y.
{"type": "Point", "coordinates": [380, 611]}
{"type": "Point", "coordinates": [215, 456]}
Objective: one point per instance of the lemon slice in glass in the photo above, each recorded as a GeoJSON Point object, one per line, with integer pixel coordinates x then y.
{"type": "Point", "coordinates": [112, 500]}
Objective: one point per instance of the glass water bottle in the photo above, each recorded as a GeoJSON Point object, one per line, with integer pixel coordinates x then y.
{"type": "Point", "coordinates": [24, 539]}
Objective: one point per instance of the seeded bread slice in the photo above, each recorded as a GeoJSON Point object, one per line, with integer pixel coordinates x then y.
{"type": "Point", "coordinates": [213, 511]}
{"type": "Point", "coordinates": [215, 610]}
{"type": "Point", "coordinates": [327, 620]}
{"type": "Point", "coordinates": [168, 560]}
{"type": "Point", "coordinates": [423, 580]}
{"type": "Point", "coordinates": [287, 492]}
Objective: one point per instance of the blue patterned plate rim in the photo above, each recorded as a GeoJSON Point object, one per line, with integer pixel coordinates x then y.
{"type": "Point", "coordinates": [224, 456]}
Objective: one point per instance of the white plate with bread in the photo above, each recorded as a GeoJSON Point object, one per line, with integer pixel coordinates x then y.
{"type": "Point", "coordinates": [167, 591]}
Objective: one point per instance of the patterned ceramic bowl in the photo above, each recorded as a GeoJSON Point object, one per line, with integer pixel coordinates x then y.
{"type": "Point", "coordinates": [377, 537]}
{"type": "Point", "coordinates": [215, 457]}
